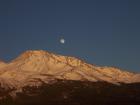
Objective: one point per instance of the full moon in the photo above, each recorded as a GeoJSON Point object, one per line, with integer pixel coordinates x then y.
{"type": "Point", "coordinates": [62, 40]}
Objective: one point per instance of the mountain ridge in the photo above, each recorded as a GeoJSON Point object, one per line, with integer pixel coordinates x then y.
{"type": "Point", "coordinates": [36, 67]}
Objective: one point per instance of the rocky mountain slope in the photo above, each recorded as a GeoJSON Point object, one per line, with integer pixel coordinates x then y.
{"type": "Point", "coordinates": [2, 64]}
{"type": "Point", "coordinates": [35, 68]}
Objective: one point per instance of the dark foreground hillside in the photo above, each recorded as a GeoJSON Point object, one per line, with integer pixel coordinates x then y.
{"type": "Point", "coordinates": [77, 93]}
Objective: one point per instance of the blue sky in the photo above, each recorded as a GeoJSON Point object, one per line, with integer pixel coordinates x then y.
{"type": "Point", "coordinates": [103, 32]}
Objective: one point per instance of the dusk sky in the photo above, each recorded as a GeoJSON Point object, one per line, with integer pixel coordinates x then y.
{"type": "Point", "coordinates": [103, 32]}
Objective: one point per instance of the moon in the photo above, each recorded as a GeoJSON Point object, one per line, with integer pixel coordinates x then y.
{"type": "Point", "coordinates": [62, 40]}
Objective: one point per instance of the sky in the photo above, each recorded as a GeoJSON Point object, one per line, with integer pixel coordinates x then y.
{"type": "Point", "coordinates": [101, 32]}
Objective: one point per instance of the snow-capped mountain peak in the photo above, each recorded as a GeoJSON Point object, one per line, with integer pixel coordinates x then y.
{"type": "Point", "coordinates": [34, 68]}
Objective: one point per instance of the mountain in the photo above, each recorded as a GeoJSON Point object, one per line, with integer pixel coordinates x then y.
{"type": "Point", "coordinates": [35, 68]}
{"type": "Point", "coordinates": [2, 63]}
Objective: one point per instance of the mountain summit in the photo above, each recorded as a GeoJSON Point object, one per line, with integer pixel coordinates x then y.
{"type": "Point", "coordinates": [35, 68]}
